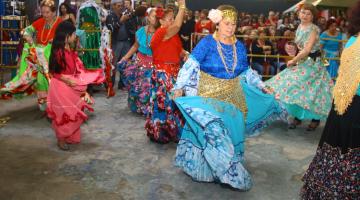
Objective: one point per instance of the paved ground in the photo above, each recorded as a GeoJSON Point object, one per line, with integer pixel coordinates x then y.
{"type": "Point", "coordinates": [116, 160]}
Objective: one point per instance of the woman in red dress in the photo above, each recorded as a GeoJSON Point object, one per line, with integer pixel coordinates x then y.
{"type": "Point", "coordinates": [163, 122]}
{"type": "Point", "coordinates": [67, 97]}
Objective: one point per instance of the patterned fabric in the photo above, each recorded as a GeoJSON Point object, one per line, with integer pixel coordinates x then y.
{"type": "Point", "coordinates": [139, 80]}
{"type": "Point", "coordinates": [262, 108]}
{"type": "Point", "coordinates": [163, 122]}
{"type": "Point", "coordinates": [334, 172]}
{"type": "Point", "coordinates": [31, 76]}
{"type": "Point", "coordinates": [212, 143]}
{"type": "Point", "coordinates": [211, 147]}
{"type": "Point", "coordinates": [306, 88]}
{"type": "Point", "coordinates": [302, 37]}
{"type": "Point", "coordinates": [332, 175]}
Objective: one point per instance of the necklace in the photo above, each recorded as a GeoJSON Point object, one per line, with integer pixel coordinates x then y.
{"type": "Point", "coordinates": [47, 27]}
{"type": "Point", "coordinates": [219, 49]}
{"type": "Point", "coordinates": [148, 33]}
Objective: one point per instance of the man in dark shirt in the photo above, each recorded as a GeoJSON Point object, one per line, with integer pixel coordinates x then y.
{"type": "Point", "coordinates": [187, 29]}
{"type": "Point", "coordinates": [117, 22]}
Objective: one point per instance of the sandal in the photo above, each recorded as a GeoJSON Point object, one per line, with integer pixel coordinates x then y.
{"type": "Point", "coordinates": [313, 125]}
{"type": "Point", "coordinates": [294, 124]}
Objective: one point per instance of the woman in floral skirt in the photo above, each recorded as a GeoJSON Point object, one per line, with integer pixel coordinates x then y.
{"type": "Point", "coordinates": [305, 86]}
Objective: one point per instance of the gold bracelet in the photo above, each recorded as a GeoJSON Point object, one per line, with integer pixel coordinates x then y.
{"type": "Point", "coordinates": [182, 7]}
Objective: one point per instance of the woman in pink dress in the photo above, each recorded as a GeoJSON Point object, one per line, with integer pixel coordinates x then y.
{"type": "Point", "coordinates": [67, 97]}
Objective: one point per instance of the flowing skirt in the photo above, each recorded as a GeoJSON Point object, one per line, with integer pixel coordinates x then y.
{"type": "Point", "coordinates": [66, 108]}
{"type": "Point", "coordinates": [334, 173]}
{"type": "Point", "coordinates": [31, 75]}
{"type": "Point", "coordinates": [211, 147]}
{"type": "Point", "coordinates": [263, 109]}
{"type": "Point", "coordinates": [304, 89]}
{"type": "Point", "coordinates": [163, 122]}
{"type": "Point", "coordinates": [139, 81]}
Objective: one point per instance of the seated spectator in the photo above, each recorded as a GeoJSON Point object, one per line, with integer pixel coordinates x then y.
{"type": "Point", "coordinates": [281, 63]}
{"type": "Point", "coordinates": [204, 25]}
{"type": "Point", "coordinates": [262, 46]}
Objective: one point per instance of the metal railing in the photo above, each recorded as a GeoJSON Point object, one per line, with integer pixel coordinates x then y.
{"type": "Point", "coordinates": [276, 56]}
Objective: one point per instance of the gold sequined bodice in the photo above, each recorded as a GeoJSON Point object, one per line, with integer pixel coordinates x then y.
{"type": "Point", "coordinates": [227, 90]}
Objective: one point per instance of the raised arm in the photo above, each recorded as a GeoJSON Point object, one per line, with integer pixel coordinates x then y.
{"type": "Point", "coordinates": [175, 27]}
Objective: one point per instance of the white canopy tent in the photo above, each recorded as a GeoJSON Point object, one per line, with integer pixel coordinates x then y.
{"type": "Point", "coordinates": [332, 3]}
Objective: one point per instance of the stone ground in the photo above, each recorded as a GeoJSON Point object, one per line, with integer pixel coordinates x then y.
{"type": "Point", "coordinates": [117, 161]}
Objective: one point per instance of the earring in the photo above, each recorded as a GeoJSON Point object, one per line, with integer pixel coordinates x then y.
{"type": "Point", "coordinates": [233, 38]}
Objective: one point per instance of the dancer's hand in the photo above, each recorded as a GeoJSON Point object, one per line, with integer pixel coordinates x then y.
{"type": "Point", "coordinates": [185, 55]}
{"type": "Point", "coordinates": [29, 40]}
{"type": "Point", "coordinates": [177, 93]}
{"type": "Point", "coordinates": [268, 90]}
{"type": "Point", "coordinates": [181, 3]}
{"type": "Point", "coordinates": [70, 82]}
{"type": "Point", "coordinates": [122, 60]}
{"type": "Point", "coordinates": [290, 63]}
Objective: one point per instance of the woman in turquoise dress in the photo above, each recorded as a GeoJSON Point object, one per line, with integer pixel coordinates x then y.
{"type": "Point", "coordinates": [331, 48]}
{"type": "Point", "coordinates": [305, 86]}
{"type": "Point", "coordinates": [223, 102]}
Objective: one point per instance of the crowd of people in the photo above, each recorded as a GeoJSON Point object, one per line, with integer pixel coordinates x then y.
{"type": "Point", "coordinates": [210, 100]}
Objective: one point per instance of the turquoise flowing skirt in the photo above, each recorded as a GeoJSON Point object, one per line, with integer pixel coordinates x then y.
{"type": "Point", "coordinates": [211, 147]}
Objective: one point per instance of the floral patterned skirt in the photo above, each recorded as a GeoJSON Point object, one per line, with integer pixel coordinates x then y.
{"type": "Point", "coordinates": [139, 84]}
{"type": "Point", "coordinates": [163, 122]}
{"type": "Point", "coordinates": [305, 89]}
{"type": "Point", "coordinates": [30, 77]}
{"type": "Point", "coordinates": [334, 173]}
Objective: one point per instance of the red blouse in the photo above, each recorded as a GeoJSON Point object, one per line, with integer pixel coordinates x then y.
{"type": "Point", "coordinates": [206, 28]}
{"type": "Point", "coordinates": [70, 65]}
{"type": "Point", "coordinates": [166, 53]}
{"type": "Point", "coordinates": [43, 35]}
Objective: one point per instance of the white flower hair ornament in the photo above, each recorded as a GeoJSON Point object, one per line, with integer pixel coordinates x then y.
{"type": "Point", "coordinates": [148, 11]}
{"type": "Point", "coordinates": [215, 15]}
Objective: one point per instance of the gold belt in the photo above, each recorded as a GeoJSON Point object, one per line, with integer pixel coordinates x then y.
{"type": "Point", "coordinates": [227, 90]}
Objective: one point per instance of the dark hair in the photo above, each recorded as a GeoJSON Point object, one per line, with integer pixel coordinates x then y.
{"type": "Point", "coordinates": [354, 19]}
{"type": "Point", "coordinates": [140, 11]}
{"type": "Point", "coordinates": [265, 31]}
{"type": "Point", "coordinates": [330, 22]}
{"type": "Point", "coordinates": [64, 30]}
{"type": "Point", "coordinates": [68, 10]}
